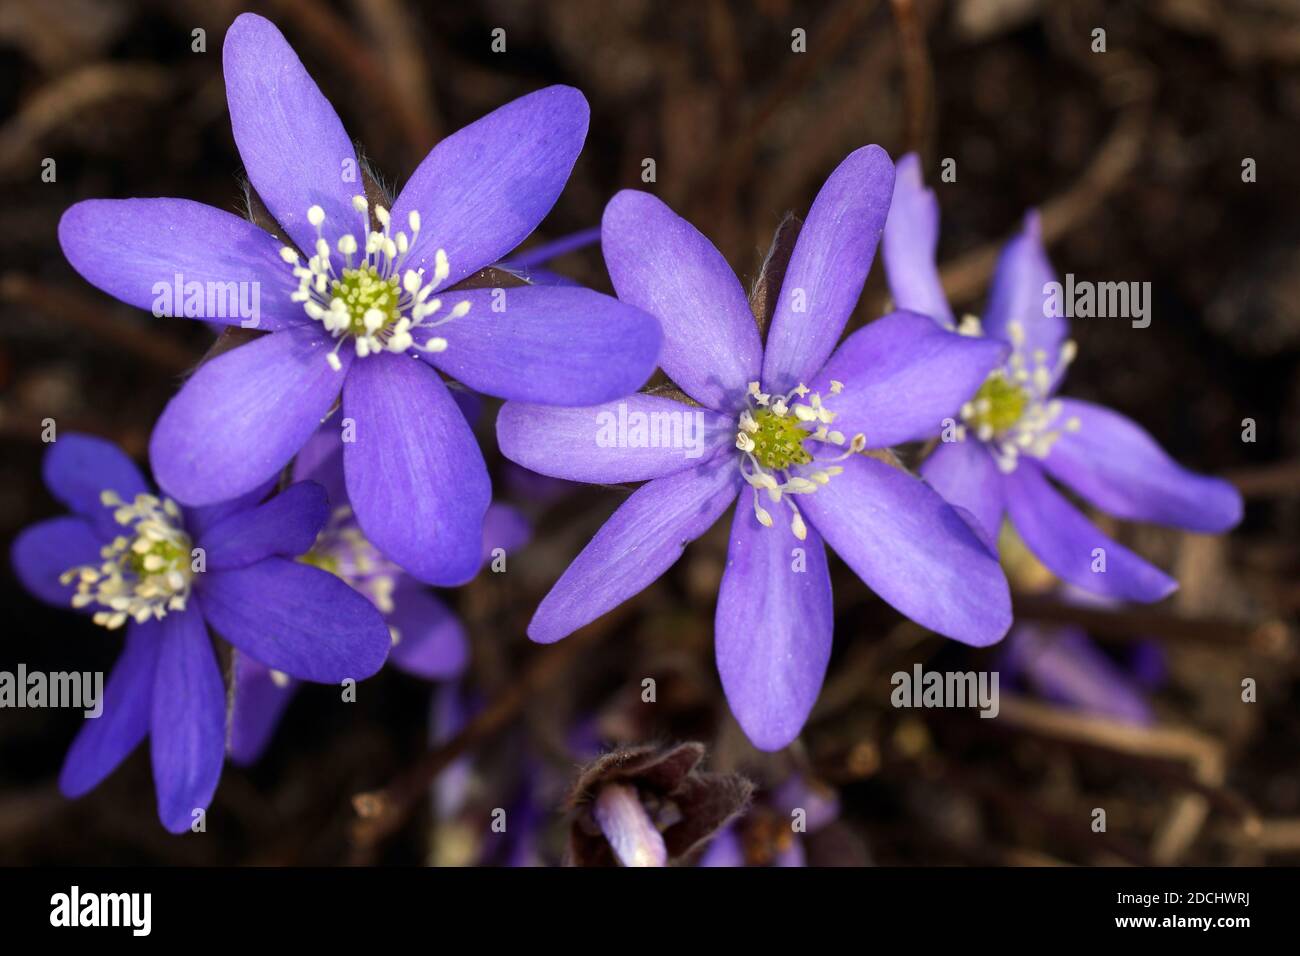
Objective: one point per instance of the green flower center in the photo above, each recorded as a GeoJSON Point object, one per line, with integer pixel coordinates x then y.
{"type": "Point", "coordinates": [999, 404]}
{"type": "Point", "coordinates": [778, 442]}
{"type": "Point", "coordinates": [364, 289]}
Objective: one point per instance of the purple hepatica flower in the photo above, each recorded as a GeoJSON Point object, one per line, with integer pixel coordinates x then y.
{"type": "Point", "coordinates": [428, 639]}
{"type": "Point", "coordinates": [759, 431]}
{"type": "Point", "coordinates": [368, 297]}
{"type": "Point", "coordinates": [169, 573]}
{"type": "Point", "coordinates": [1015, 433]}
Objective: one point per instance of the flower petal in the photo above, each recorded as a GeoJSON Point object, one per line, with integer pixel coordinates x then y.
{"type": "Point", "coordinates": [259, 703]}
{"type": "Point", "coordinates": [321, 461]}
{"type": "Point", "coordinates": [633, 439]}
{"type": "Point", "coordinates": [79, 468]}
{"type": "Point", "coordinates": [550, 344]}
{"type": "Point", "coordinates": [913, 550]}
{"type": "Point", "coordinates": [640, 541]}
{"type": "Point", "coordinates": [659, 262]}
{"type": "Point", "coordinates": [902, 376]}
{"type": "Point", "coordinates": [431, 640]}
{"type": "Point", "coordinates": [415, 475]}
{"type": "Point", "coordinates": [45, 550]}
{"type": "Point", "coordinates": [180, 258]}
{"type": "Point", "coordinates": [773, 627]}
{"type": "Point", "coordinates": [967, 477]}
{"type": "Point", "coordinates": [199, 519]}
{"type": "Point", "coordinates": [1064, 666]}
{"type": "Point", "coordinates": [1019, 294]}
{"type": "Point", "coordinates": [483, 189]}
{"type": "Point", "coordinates": [295, 150]}
{"type": "Point", "coordinates": [286, 525]}
{"type": "Point", "coordinates": [1068, 543]}
{"type": "Point", "coordinates": [188, 721]}
{"type": "Point", "coordinates": [828, 267]}
{"type": "Point", "coordinates": [1113, 463]}
{"type": "Point", "coordinates": [506, 528]}
{"type": "Point", "coordinates": [105, 741]}
{"type": "Point", "coordinates": [243, 416]}
{"type": "Point", "coordinates": [298, 619]}
{"type": "Point", "coordinates": [908, 249]}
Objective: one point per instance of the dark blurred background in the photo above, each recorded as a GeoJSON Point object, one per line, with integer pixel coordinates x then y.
{"type": "Point", "coordinates": [1133, 155]}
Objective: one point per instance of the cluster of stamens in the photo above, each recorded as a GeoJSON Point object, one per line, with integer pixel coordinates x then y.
{"type": "Point", "coordinates": [369, 298]}
{"type": "Point", "coordinates": [144, 574]}
{"type": "Point", "coordinates": [1014, 412]}
{"type": "Point", "coordinates": [771, 434]}
{"type": "Point", "coordinates": [342, 550]}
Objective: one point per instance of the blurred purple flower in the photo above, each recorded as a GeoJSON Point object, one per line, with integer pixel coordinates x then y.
{"type": "Point", "coordinates": [756, 428]}
{"type": "Point", "coordinates": [773, 832]}
{"type": "Point", "coordinates": [1014, 432]}
{"type": "Point", "coordinates": [428, 640]}
{"type": "Point", "coordinates": [416, 476]}
{"type": "Point", "coordinates": [169, 574]}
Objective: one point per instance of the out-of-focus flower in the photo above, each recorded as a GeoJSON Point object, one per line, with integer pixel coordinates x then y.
{"type": "Point", "coordinates": [777, 829]}
{"type": "Point", "coordinates": [428, 639]}
{"type": "Point", "coordinates": [783, 426]}
{"type": "Point", "coordinates": [361, 293]}
{"type": "Point", "coordinates": [1014, 432]}
{"type": "Point", "coordinates": [169, 573]}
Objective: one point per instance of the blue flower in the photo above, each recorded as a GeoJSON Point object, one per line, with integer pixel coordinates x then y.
{"type": "Point", "coordinates": [169, 574]}
{"type": "Point", "coordinates": [1015, 433]}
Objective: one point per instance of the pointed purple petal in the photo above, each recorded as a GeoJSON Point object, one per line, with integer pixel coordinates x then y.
{"type": "Point", "coordinates": [1018, 295]}
{"type": "Point", "coordinates": [286, 525]}
{"type": "Point", "coordinates": [773, 627]}
{"type": "Point", "coordinates": [244, 415]}
{"type": "Point", "coordinates": [321, 461]}
{"type": "Point", "coordinates": [902, 376]}
{"type": "Point", "coordinates": [300, 620]}
{"type": "Point", "coordinates": [188, 721]}
{"type": "Point", "coordinates": [640, 541]}
{"type": "Point", "coordinates": [259, 703]}
{"type": "Point", "coordinates": [199, 519]}
{"type": "Point", "coordinates": [908, 248]}
{"type": "Point", "coordinates": [1065, 541]}
{"type": "Point", "coordinates": [483, 189]}
{"type": "Point", "coordinates": [661, 263]}
{"type": "Point", "coordinates": [633, 439]}
{"type": "Point", "coordinates": [45, 550]}
{"type": "Point", "coordinates": [1113, 463]}
{"type": "Point", "coordinates": [78, 468]}
{"type": "Point", "coordinates": [547, 344]}
{"type": "Point", "coordinates": [180, 258]}
{"type": "Point", "coordinates": [967, 477]}
{"type": "Point", "coordinates": [831, 259]}
{"type": "Point", "coordinates": [415, 475]}
{"type": "Point", "coordinates": [105, 741]}
{"type": "Point", "coordinates": [913, 550]}
{"type": "Point", "coordinates": [431, 641]}
{"type": "Point", "coordinates": [295, 150]}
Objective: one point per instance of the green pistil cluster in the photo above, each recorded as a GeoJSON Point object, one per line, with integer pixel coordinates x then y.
{"type": "Point", "coordinates": [778, 441]}
{"type": "Point", "coordinates": [323, 560]}
{"type": "Point", "coordinates": [998, 405]}
{"type": "Point", "coordinates": [364, 289]}
{"type": "Point", "coordinates": [160, 558]}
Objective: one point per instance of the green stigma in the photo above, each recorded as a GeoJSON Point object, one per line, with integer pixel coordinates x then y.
{"type": "Point", "coordinates": [778, 441]}
{"type": "Point", "coordinates": [363, 290]}
{"type": "Point", "coordinates": [998, 405]}
{"type": "Point", "coordinates": [160, 557]}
